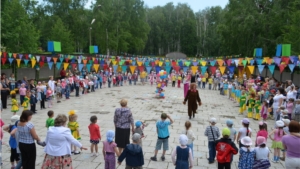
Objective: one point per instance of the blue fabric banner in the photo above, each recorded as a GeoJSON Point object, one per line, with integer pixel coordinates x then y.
{"type": "Point", "coordinates": [148, 69]}
{"type": "Point", "coordinates": [203, 69]}
{"type": "Point", "coordinates": [260, 68]}
{"type": "Point", "coordinates": [185, 68]}
{"type": "Point", "coordinates": [212, 63]}
{"type": "Point", "coordinates": [58, 64]}
{"type": "Point", "coordinates": [115, 68]}
{"type": "Point", "coordinates": [278, 50]}
{"type": "Point", "coordinates": [146, 63]}
{"type": "Point", "coordinates": [271, 68]}
{"type": "Point", "coordinates": [259, 52]}
{"type": "Point", "coordinates": [88, 66]}
{"type": "Point", "coordinates": [80, 66]}
{"type": "Point", "coordinates": [231, 69]}
{"type": "Point", "coordinates": [168, 68]}
{"type": "Point", "coordinates": [124, 68]}
{"type": "Point", "coordinates": [50, 64]}
{"type": "Point", "coordinates": [259, 61]}
{"type": "Point", "coordinates": [157, 68]}
{"type": "Point", "coordinates": [10, 60]}
{"type": "Point", "coordinates": [292, 66]}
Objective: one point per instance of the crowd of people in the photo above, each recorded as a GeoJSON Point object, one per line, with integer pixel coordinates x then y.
{"type": "Point", "coordinates": [263, 98]}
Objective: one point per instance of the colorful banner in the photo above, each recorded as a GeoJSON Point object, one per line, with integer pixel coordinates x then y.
{"type": "Point", "coordinates": [260, 68]}
{"type": "Point", "coordinates": [132, 69]}
{"type": "Point", "coordinates": [96, 67]}
{"type": "Point", "coordinates": [148, 69]}
{"type": "Point", "coordinates": [18, 62]}
{"type": "Point", "coordinates": [213, 69]}
{"type": "Point", "coordinates": [194, 69]}
{"type": "Point", "coordinates": [271, 68]}
{"type": "Point", "coordinates": [168, 69]}
{"type": "Point", "coordinates": [203, 69]}
{"type": "Point", "coordinates": [124, 68]}
{"type": "Point", "coordinates": [251, 69]}
{"type": "Point", "coordinates": [222, 69]}
{"type": "Point", "coordinates": [66, 66]}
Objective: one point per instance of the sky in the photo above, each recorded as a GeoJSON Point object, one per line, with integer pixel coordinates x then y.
{"type": "Point", "coordinates": [196, 5]}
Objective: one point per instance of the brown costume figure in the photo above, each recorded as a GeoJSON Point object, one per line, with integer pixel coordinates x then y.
{"type": "Point", "coordinates": [193, 98]}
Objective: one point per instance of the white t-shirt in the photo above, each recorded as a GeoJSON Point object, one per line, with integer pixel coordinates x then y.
{"type": "Point", "coordinates": [276, 99]}
{"type": "Point", "coordinates": [230, 86]}
{"type": "Point", "coordinates": [243, 132]}
{"type": "Point", "coordinates": [199, 79]}
{"type": "Point", "coordinates": [262, 153]}
{"type": "Point", "coordinates": [291, 94]}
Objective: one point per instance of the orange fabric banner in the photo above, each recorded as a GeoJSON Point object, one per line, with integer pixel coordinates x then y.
{"type": "Point", "coordinates": [14, 55]}
{"type": "Point", "coordinates": [132, 69]}
{"type": "Point", "coordinates": [220, 62]}
{"type": "Point", "coordinates": [84, 61]}
{"type": "Point", "coordinates": [139, 63]}
{"type": "Point", "coordinates": [194, 69]}
{"type": "Point", "coordinates": [54, 60]}
{"type": "Point", "coordinates": [222, 69]}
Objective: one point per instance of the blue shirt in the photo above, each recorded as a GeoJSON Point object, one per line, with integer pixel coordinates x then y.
{"type": "Point", "coordinates": [12, 140]}
{"type": "Point", "coordinates": [225, 86]}
{"type": "Point", "coordinates": [163, 128]}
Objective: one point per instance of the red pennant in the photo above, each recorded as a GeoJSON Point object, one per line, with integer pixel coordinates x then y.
{"type": "Point", "coordinates": [228, 62]}
{"type": "Point", "coordinates": [176, 68]}
{"type": "Point", "coordinates": [174, 63]}
{"type": "Point", "coordinates": [213, 69]}
{"type": "Point", "coordinates": [41, 64]}
{"type": "Point", "coordinates": [4, 54]}
{"type": "Point", "coordinates": [153, 64]}
{"type": "Point", "coordinates": [3, 60]}
{"type": "Point", "coordinates": [74, 65]}
{"type": "Point", "coordinates": [127, 62]}
{"type": "Point", "coordinates": [43, 58]}
{"type": "Point", "coordinates": [26, 56]}
{"type": "Point", "coordinates": [96, 61]}
{"type": "Point", "coordinates": [141, 68]}
{"type": "Point", "coordinates": [281, 68]}
{"type": "Point", "coordinates": [105, 67]}
{"type": "Point", "coordinates": [67, 60]}
{"type": "Point", "coordinates": [241, 68]}
{"type": "Point", "coordinates": [285, 60]}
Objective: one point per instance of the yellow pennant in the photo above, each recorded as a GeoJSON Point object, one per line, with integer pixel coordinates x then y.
{"type": "Point", "coordinates": [249, 59]}
{"type": "Point", "coordinates": [194, 69]}
{"type": "Point", "coordinates": [96, 67]}
{"type": "Point", "coordinates": [33, 62]}
{"type": "Point", "coordinates": [251, 69]}
{"type": "Point", "coordinates": [66, 66]}
{"type": "Point", "coordinates": [132, 69]}
{"type": "Point", "coordinates": [114, 62]}
{"type": "Point", "coordinates": [203, 63]}
{"type": "Point", "coordinates": [222, 69]}
{"type": "Point", "coordinates": [18, 62]}
{"type": "Point", "coordinates": [139, 63]}
{"type": "Point", "coordinates": [160, 63]}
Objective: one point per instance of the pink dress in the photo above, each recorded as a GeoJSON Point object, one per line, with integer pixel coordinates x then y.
{"type": "Point", "coordinates": [264, 112]}
{"type": "Point", "coordinates": [186, 85]}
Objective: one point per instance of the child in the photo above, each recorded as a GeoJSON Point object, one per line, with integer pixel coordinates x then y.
{"type": "Point", "coordinates": [232, 136]}
{"type": "Point", "coordinates": [109, 150]}
{"type": "Point", "coordinates": [14, 103]}
{"type": "Point", "coordinates": [270, 104]}
{"type": "Point", "coordinates": [244, 131]}
{"type": "Point", "coordinates": [264, 110]}
{"type": "Point", "coordinates": [203, 82]}
{"type": "Point", "coordinates": [229, 90]}
{"type": "Point", "coordinates": [247, 154]}
{"type": "Point", "coordinates": [290, 107]}
{"type": "Point", "coordinates": [49, 96]}
{"type": "Point", "coordinates": [251, 103]}
{"type": "Point", "coordinates": [225, 148]}
{"type": "Point", "coordinates": [43, 95]}
{"type": "Point", "coordinates": [22, 92]}
{"type": "Point", "coordinates": [33, 101]}
{"type": "Point", "coordinates": [58, 90]}
{"type": "Point", "coordinates": [212, 133]}
{"type": "Point", "coordinates": [263, 130]}
{"type": "Point", "coordinates": [277, 137]}
{"type": "Point", "coordinates": [190, 134]}
{"type": "Point", "coordinates": [14, 156]}
{"type": "Point", "coordinates": [163, 135]}
{"type": "Point", "coordinates": [139, 126]}
{"type": "Point", "coordinates": [173, 80]}
{"type": "Point", "coordinates": [262, 153]}
{"type": "Point", "coordinates": [95, 135]}
{"type": "Point", "coordinates": [183, 153]}
{"type": "Point", "coordinates": [221, 87]}
{"type": "Point", "coordinates": [50, 120]}
{"type": "Point", "coordinates": [74, 127]}
{"type": "Point", "coordinates": [210, 82]}
{"type": "Point", "coordinates": [225, 87]}
{"type": "Point", "coordinates": [26, 101]}
{"type": "Point", "coordinates": [242, 101]}
{"type": "Point", "coordinates": [257, 107]}
{"type": "Point", "coordinates": [178, 81]}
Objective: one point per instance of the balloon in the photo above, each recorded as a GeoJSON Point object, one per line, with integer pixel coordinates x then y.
{"type": "Point", "coordinates": [162, 95]}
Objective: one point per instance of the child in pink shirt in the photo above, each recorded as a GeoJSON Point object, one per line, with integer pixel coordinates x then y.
{"type": "Point", "coordinates": [22, 92]}
{"type": "Point", "coordinates": [263, 130]}
{"type": "Point", "coordinates": [109, 150]}
{"type": "Point", "coordinates": [290, 107]}
{"type": "Point", "coordinates": [277, 140]}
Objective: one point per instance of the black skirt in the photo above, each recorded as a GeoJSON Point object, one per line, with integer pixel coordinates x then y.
{"type": "Point", "coordinates": [122, 137]}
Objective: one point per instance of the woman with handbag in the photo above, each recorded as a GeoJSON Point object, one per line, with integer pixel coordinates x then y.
{"type": "Point", "coordinates": [4, 92]}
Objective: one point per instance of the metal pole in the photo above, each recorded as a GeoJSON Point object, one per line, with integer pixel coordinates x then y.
{"type": "Point", "coordinates": [90, 36]}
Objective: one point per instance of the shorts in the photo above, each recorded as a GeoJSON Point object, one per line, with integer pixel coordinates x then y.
{"type": "Point", "coordinates": [165, 143]}
{"type": "Point", "coordinates": [94, 141]}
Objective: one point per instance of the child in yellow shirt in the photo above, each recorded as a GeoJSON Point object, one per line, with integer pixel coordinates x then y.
{"type": "Point", "coordinates": [210, 81]}
{"type": "Point", "coordinates": [203, 82]}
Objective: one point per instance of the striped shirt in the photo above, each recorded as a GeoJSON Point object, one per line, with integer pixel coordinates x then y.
{"type": "Point", "coordinates": [24, 133]}
{"type": "Point", "coordinates": [210, 135]}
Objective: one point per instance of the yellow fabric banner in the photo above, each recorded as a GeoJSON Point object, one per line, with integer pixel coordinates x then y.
{"type": "Point", "coordinates": [93, 58]}
{"type": "Point", "coordinates": [203, 63]}
{"type": "Point", "coordinates": [139, 63]}
{"type": "Point", "coordinates": [114, 62]}
{"type": "Point", "coordinates": [249, 59]}
{"type": "Point", "coordinates": [251, 69]}
{"type": "Point", "coordinates": [132, 69]}
{"type": "Point", "coordinates": [33, 62]}
{"type": "Point", "coordinates": [66, 66]}
{"type": "Point", "coordinates": [265, 60]}
{"type": "Point", "coordinates": [160, 63]}
{"type": "Point", "coordinates": [96, 67]}
{"type": "Point", "coordinates": [156, 62]}
{"type": "Point", "coordinates": [18, 62]}
{"type": "Point", "coordinates": [194, 69]}
{"type": "Point", "coordinates": [222, 69]}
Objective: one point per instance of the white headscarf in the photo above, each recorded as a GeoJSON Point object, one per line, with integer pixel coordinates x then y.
{"type": "Point", "coordinates": [183, 140]}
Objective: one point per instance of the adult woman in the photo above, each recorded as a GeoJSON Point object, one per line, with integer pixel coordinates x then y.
{"type": "Point", "coordinates": [123, 119]}
{"type": "Point", "coordinates": [291, 143]}
{"type": "Point", "coordinates": [193, 98]}
{"type": "Point", "coordinates": [12, 81]}
{"type": "Point", "coordinates": [27, 135]}
{"type": "Point", "coordinates": [58, 145]}
{"type": "Point", "coordinates": [4, 92]}
{"type": "Point", "coordinates": [32, 86]}
{"type": "Point", "coordinates": [278, 101]}
{"type": "Point", "coordinates": [51, 84]}
{"type": "Point", "coordinates": [292, 93]}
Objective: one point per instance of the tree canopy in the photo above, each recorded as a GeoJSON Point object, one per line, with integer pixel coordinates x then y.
{"type": "Point", "coordinates": [131, 27]}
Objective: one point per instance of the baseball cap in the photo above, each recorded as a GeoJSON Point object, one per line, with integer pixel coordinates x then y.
{"type": "Point", "coordinates": [245, 121]}
{"type": "Point", "coordinates": [229, 122]}
{"type": "Point", "coordinates": [14, 118]}
{"type": "Point", "coordinates": [138, 123]}
{"type": "Point", "coordinates": [213, 120]}
{"type": "Point", "coordinates": [136, 137]}
{"type": "Point", "coordinates": [260, 140]}
{"type": "Point", "coordinates": [226, 132]}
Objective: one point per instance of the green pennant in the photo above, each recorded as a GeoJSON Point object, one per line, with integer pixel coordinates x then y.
{"type": "Point", "coordinates": [91, 61]}
{"type": "Point", "coordinates": [10, 54]}
{"type": "Point", "coordinates": [187, 63]}
{"type": "Point", "coordinates": [254, 53]}
{"type": "Point", "coordinates": [244, 62]}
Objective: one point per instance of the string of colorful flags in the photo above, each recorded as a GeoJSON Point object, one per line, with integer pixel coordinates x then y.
{"type": "Point", "coordinates": [121, 63]}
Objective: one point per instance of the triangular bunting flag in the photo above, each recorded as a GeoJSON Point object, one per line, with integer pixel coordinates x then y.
{"type": "Point", "coordinates": [282, 67]}
{"type": "Point", "coordinates": [203, 63]}
{"type": "Point", "coordinates": [132, 69]}
{"type": "Point", "coordinates": [212, 63]}
{"type": "Point", "coordinates": [50, 64]}
{"type": "Point", "coordinates": [251, 69]}
{"type": "Point", "coordinates": [33, 62]}
{"type": "Point", "coordinates": [66, 64]}
{"type": "Point", "coordinates": [80, 66]}
{"type": "Point", "coordinates": [18, 62]}
{"type": "Point", "coordinates": [222, 69]}
{"type": "Point", "coordinates": [271, 68]}
{"type": "Point", "coordinates": [89, 66]}
{"type": "Point", "coordinates": [203, 69]}
{"type": "Point", "coordinates": [96, 67]}
{"type": "Point", "coordinates": [58, 64]}
{"type": "Point", "coordinates": [194, 69]}
{"type": "Point", "coordinates": [260, 68]}
{"type": "Point", "coordinates": [10, 60]}
{"type": "Point", "coordinates": [124, 68]}
{"type": "Point", "coordinates": [37, 58]}
{"type": "Point", "coordinates": [54, 60]}
{"type": "Point", "coordinates": [213, 69]}
{"type": "Point", "coordinates": [26, 62]}
{"type": "Point", "coordinates": [291, 66]}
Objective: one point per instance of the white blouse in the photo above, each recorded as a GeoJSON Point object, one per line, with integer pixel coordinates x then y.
{"type": "Point", "coordinates": [190, 135]}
